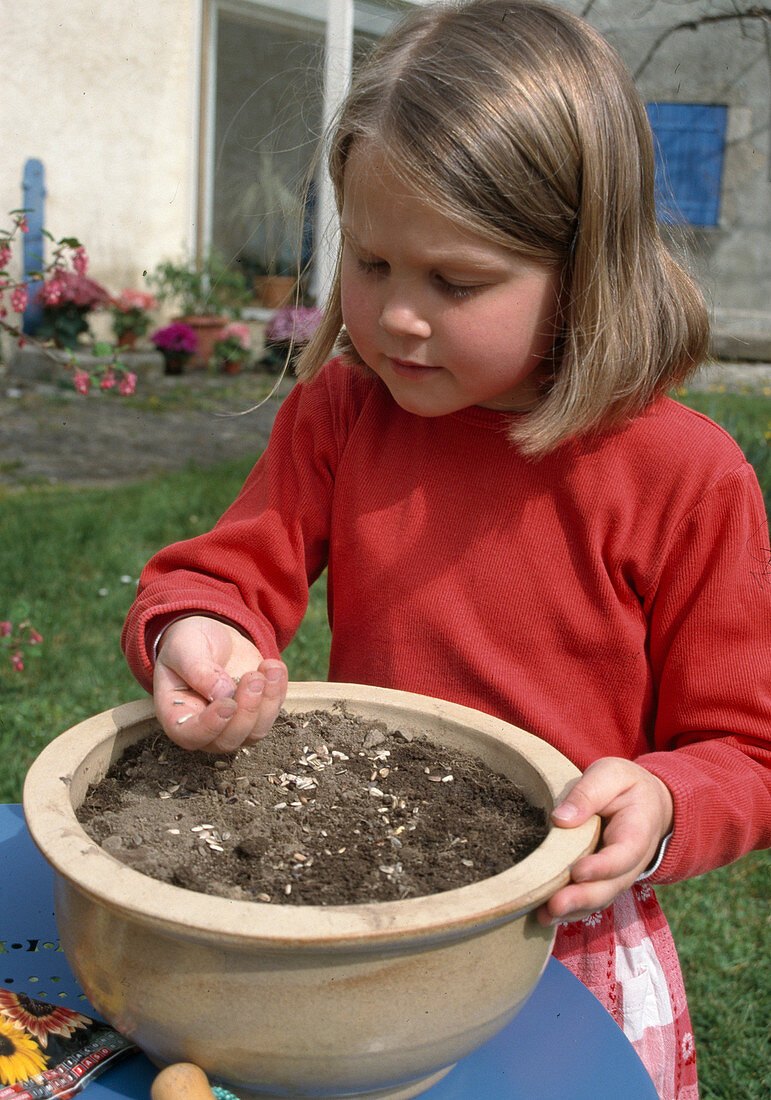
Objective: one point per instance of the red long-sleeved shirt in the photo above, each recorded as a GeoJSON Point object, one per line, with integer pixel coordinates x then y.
{"type": "Point", "coordinates": [613, 598]}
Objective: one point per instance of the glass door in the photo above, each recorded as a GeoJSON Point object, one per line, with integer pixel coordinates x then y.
{"type": "Point", "coordinates": [274, 71]}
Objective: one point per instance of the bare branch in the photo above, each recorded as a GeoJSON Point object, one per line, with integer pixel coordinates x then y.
{"type": "Point", "coordinates": [763, 14]}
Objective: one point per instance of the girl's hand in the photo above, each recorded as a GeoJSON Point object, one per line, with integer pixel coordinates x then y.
{"type": "Point", "coordinates": [637, 810]}
{"type": "Point", "coordinates": [211, 687]}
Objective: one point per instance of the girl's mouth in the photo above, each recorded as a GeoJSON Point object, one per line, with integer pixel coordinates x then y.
{"type": "Point", "coordinates": [406, 369]}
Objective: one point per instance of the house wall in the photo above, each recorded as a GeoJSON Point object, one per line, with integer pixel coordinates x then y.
{"type": "Point", "coordinates": [714, 63]}
{"type": "Point", "coordinates": [106, 95]}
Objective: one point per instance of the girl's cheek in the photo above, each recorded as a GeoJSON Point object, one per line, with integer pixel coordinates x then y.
{"type": "Point", "coordinates": [357, 309]}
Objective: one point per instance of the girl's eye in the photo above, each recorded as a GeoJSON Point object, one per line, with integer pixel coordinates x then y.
{"type": "Point", "coordinates": [454, 290]}
{"type": "Point", "coordinates": [371, 267]}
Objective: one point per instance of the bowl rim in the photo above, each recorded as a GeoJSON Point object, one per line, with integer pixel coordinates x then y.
{"type": "Point", "coordinates": [83, 865]}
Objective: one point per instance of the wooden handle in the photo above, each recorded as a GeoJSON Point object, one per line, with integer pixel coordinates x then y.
{"type": "Point", "coordinates": [181, 1081]}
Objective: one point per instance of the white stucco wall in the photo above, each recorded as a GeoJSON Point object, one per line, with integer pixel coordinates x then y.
{"type": "Point", "coordinates": [105, 93]}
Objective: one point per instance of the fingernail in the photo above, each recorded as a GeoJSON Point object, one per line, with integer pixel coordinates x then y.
{"type": "Point", "coordinates": [272, 675]}
{"type": "Point", "coordinates": [565, 812]}
{"type": "Point", "coordinates": [226, 709]}
{"type": "Point", "coordinates": [223, 689]}
{"type": "Point", "coordinates": [256, 685]}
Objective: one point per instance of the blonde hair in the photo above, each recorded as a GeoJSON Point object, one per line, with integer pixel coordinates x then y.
{"type": "Point", "coordinates": [517, 120]}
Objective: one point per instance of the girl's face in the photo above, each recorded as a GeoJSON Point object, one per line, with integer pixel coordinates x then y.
{"type": "Point", "coordinates": [444, 317]}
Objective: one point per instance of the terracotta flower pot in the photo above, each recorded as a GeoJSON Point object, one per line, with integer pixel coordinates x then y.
{"type": "Point", "coordinates": [372, 1000]}
{"type": "Point", "coordinates": [208, 330]}
{"type": "Point", "coordinates": [274, 291]}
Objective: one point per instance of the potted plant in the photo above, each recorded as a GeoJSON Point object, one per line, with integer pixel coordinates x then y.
{"type": "Point", "coordinates": [336, 989]}
{"type": "Point", "coordinates": [176, 342]}
{"type": "Point", "coordinates": [67, 298]}
{"type": "Point", "coordinates": [288, 330]}
{"type": "Point", "coordinates": [130, 315]}
{"type": "Point", "coordinates": [207, 295]}
{"type": "Point", "coordinates": [233, 348]}
{"type": "Point", "coordinates": [274, 212]}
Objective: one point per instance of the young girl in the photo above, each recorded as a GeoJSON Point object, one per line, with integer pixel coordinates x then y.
{"type": "Point", "coordinates": [512, 514]}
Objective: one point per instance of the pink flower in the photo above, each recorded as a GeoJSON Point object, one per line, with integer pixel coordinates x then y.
{"type": "Point", "coordinates": [17, 662]}
{"type": "Point", "coordinates": [34, 637]}
{"type": "Point", "coordinates": [129, 299]}
{"type": "Point", "coordinates": [65, 287]}
{"type": "Point", "coordinates": [109, 380]}
{"type": "Point", "coordinates": [19, 299]}
{"type": "Point", "coordinates": [23, 226]}
{"type": "Point", "coordinates": [5, 256]}
{"type": "Point", "coordinates": [5, 629]}
{"type": "Point", "coordinates": [80, 260]}
{"type": "Point", "coordinates": [297, 323]}
{"type": "Point", "coordinates": [238, 332]}
{"type": "Point", "coordinates": [128, 384]}
{"type": "Point", "coordinates": [82, 381]}
{"type": "Point", "coordinates": [50, 293]}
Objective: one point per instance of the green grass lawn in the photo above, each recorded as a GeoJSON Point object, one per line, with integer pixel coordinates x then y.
{"type": "Point", "coordinates": [69, 560]}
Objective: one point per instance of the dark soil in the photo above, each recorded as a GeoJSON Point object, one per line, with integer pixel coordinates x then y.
{"type": "Point", "coordinates": [326, 810]}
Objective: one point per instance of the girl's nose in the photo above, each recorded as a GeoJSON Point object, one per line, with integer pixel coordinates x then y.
{"type": "Point", "coordinates": [400, 317]}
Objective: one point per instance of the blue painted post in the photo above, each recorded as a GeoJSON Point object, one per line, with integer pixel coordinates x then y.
{"type": "Point", "coordinates": [33, 189]}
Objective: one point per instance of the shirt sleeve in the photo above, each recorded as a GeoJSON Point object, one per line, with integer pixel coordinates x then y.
{"type": "Point", "coordinates": [254, 568]}
{"type": "Point", "coordinates": [710, 650]}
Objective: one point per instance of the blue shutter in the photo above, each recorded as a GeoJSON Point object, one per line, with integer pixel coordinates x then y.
{"type": "Point", "coordinates": [34, 191]}
{"type": "Point", "coordinates": [689, 144]}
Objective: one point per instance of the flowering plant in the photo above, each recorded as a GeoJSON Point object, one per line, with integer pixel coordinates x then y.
{"type": "Point", "coordinates": [66, 297]}
{"type": "Point", "coordinates": [176, 339]}
{"type": "Point", "coordinates": [234, 344]}
{"type": "Point", "coordinates": [286, 332]}
{"type": "Point", "coordinates": [130, 312]}
{"type": "Point", "coordinates": [293, 324]}
{"type": "Point", "coordinates": [109, 375]}
{"type": "Point", "coordinates": [17, 638]}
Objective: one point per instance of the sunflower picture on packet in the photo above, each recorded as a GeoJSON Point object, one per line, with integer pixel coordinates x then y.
{"type": "Point", "coordinates": [48, 1051]}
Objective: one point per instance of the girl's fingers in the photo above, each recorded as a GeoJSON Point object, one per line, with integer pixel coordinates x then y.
{"type": "Point", "coordinates": [257, 700]}
{"type": "Point", "coordinates": [226, 724]}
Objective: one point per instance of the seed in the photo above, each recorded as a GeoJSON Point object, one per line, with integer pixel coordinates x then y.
{"type": "Point", "coordinates": [278, 806]}
{"type": "Point", "coordinates": [288, 889]}
{"type": "Point", "coordinates": [467, 862]}
{"type": "Point", "coordinates": [263, 897]}
{"type": "Point", "coordinates": [341, 755]}
{"type": "Point", "coordinates": [184, 718]}
{"type": "Point", "coordinates": [435, 779]}
{"type": "Point", "coordinates": [215, 847]}
{"type": "Point", "coordinates": [164, 794]}
{"type": "Point", "coordinates": [299, 856]}
{"type": "Point", "coordinates": [174, 832]}
{"type": "Point", "coordinates": [447, 779]}
{"type": "Point", "coordinates": [376, 792]}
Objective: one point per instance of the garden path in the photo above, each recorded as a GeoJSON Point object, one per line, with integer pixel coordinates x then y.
{"type": "Point", "coordinates": [51, 436]}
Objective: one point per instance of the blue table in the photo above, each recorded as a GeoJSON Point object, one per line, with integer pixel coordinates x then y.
{"type": "Point", "coordinates": [563, 1045]}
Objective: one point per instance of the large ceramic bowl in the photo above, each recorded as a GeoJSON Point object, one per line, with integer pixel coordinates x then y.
{"type": "Point", "coordinates": [372, 1000]}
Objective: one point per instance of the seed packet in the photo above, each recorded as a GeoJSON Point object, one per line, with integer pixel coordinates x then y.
{"type": "Point", "coordinates": [48, 1051]}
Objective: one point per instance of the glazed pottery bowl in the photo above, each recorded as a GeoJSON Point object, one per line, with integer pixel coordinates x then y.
{"type": "Point", "coordinates": [367, 1000]}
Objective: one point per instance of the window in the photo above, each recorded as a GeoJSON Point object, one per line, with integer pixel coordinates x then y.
{"type": "Point", "coordinates": [689, 141]}
{"type": "Point", "coordinates": [264, 110]}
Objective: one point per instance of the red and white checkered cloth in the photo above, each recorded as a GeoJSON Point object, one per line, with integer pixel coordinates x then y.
{"type": "Point", "coordinates": [626, 956]}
